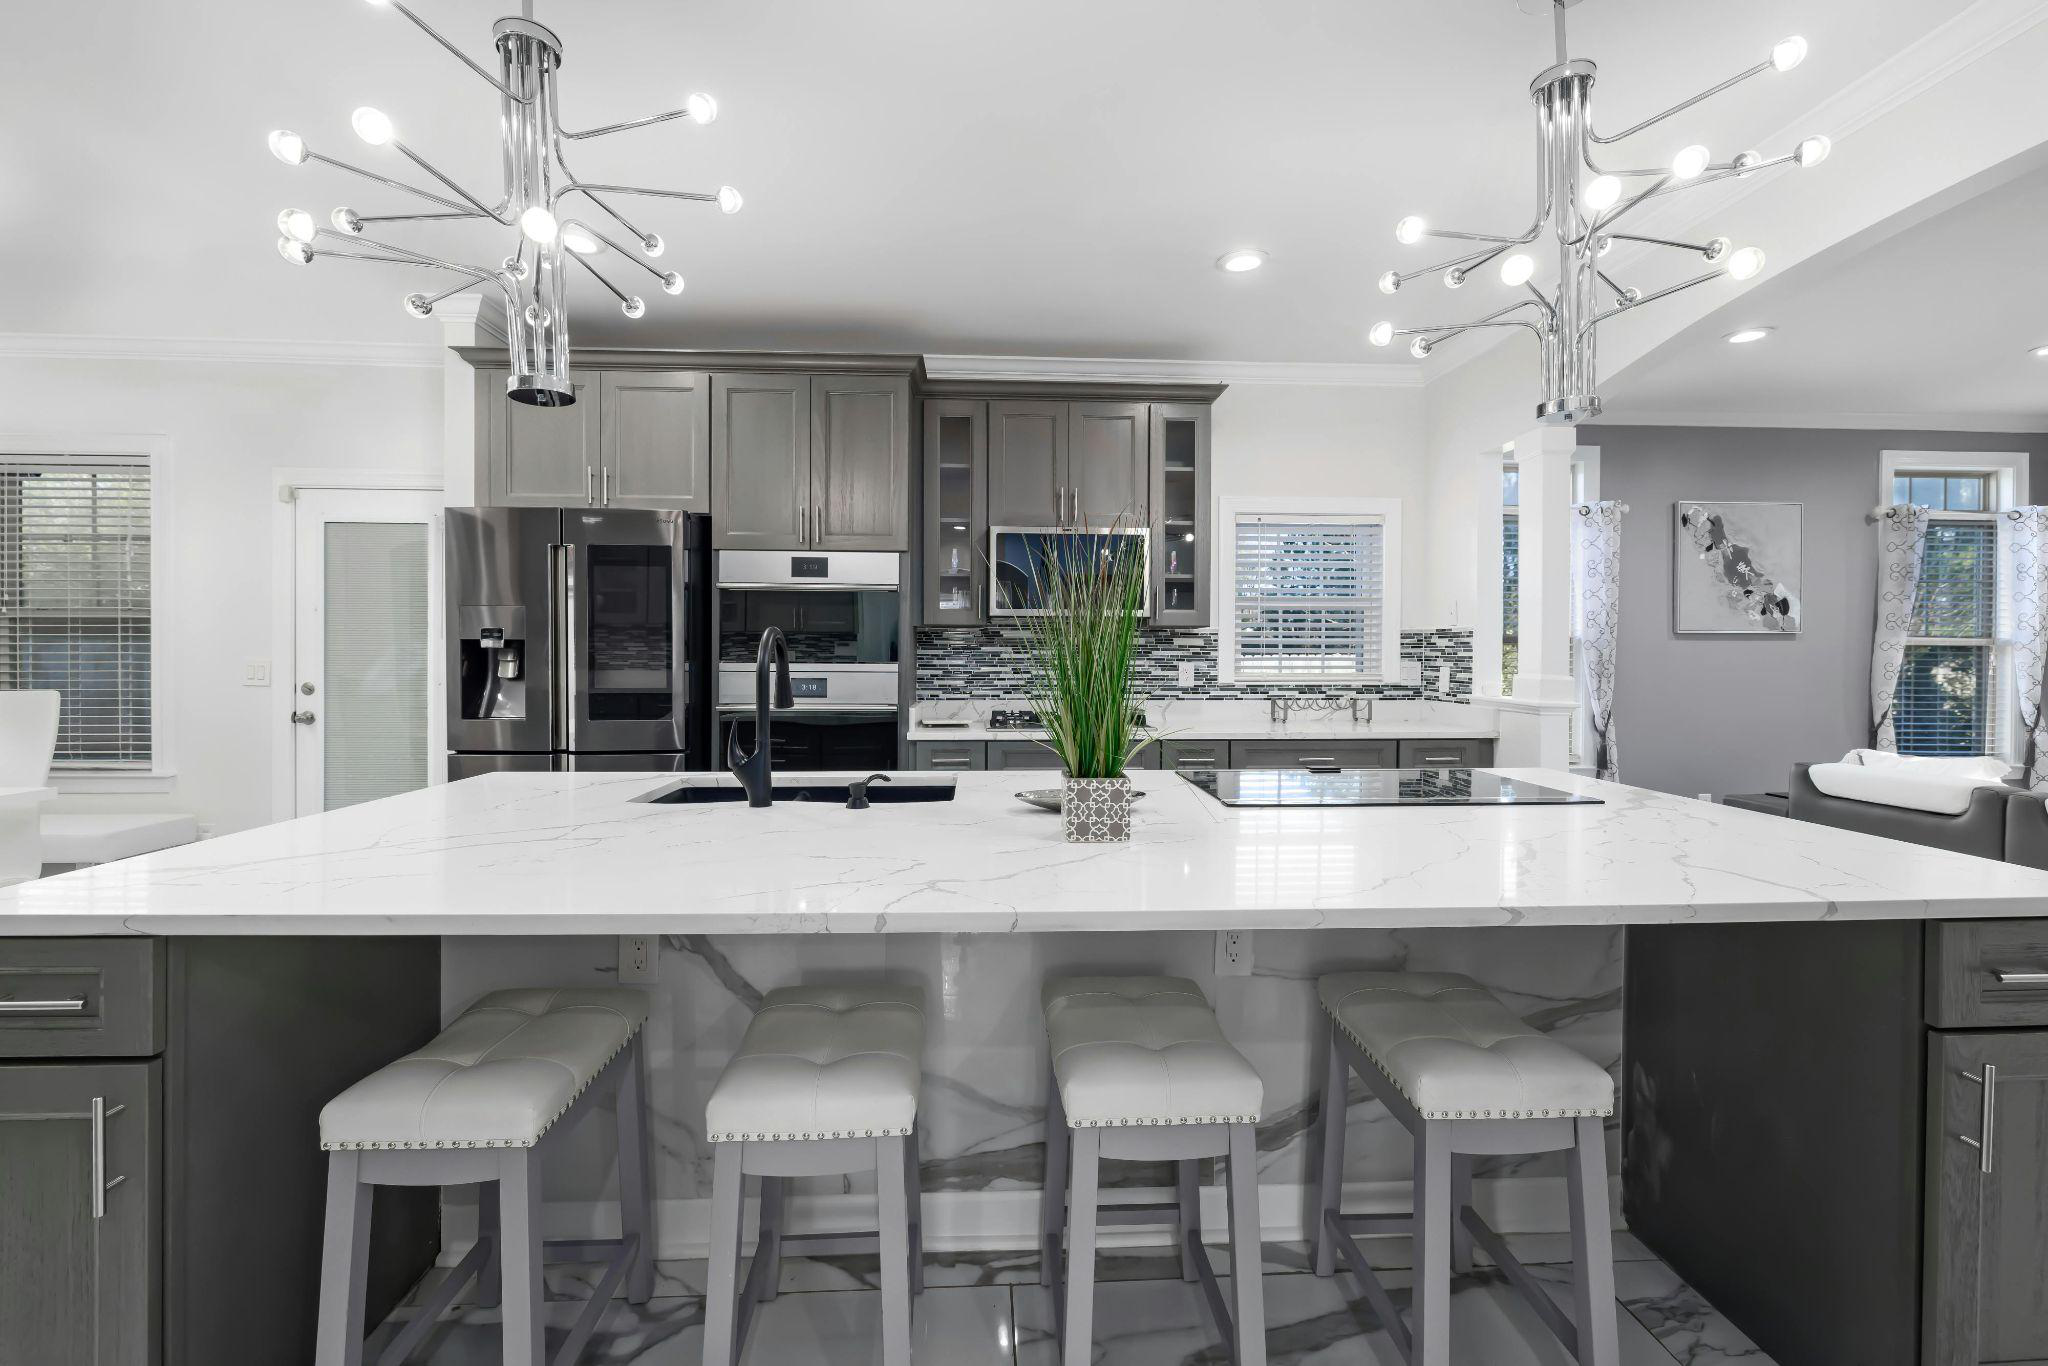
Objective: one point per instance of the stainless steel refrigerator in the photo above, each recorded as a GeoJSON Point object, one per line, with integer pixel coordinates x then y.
{"type": "Point", "coordinates": [577, 639]}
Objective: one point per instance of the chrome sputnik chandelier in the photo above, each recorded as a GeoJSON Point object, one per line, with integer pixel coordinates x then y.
{"type": "Point", "coordinates": [537, 181]}
{"type": "Point", "coordinates": [1584, 206]}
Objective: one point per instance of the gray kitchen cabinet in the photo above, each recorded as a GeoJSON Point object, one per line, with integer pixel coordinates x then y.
{"type": "Point", "coordinates": [1027, 462]}
{"type": "Point", "coordinates": [1308, 753]}
{"type": "Point", "coordinates": [1465, 753]}
{"type": "Point", "coordinates": [1107, 473]}
{"type": "Point", "coordinates": [1179, 754]}
{"type": "Point", "coordinates": [540, 457]}
{"type": "Point", "coordinates": [80, 1254]}
{"type": "Point", "coordinates": [1181, 521]}
{"type": "Point", "coordinates": [761, 461]}
{"type": "Point", "coordinates": [1986, 1223]}
{"type": "Point", "coordinates": [955, 755]}
{"type": "Point", "coordinates": [654, 439]}
{"type": "Point", "coordinates": [955, 512]}
{"type": "Point", "coordinates": [859, 462]}
{"type": "Point", "coordinates": [1021, 754]}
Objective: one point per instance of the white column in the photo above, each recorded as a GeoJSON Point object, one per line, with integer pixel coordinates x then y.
{"type": "Point", "coordinates": [1543, 671]}
{"type": "Point", "coordinates": [466, 320]}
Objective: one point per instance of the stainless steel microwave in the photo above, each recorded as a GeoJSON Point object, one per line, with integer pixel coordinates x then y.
{"type": "Point", "coordinates": [1017, 556]}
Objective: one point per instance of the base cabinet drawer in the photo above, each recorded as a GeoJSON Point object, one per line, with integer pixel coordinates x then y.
{"type": "Point", "coordinates": [948, 755]}
{"type": "Point", "coordinates": [1314, 753]}
{"type": "Point", "coordinates": [1022, 754]}
{"type": "Point", "coordinates": [1180, 754]}
{"type": "Point", "coordinates": [1987, 974]}
{"type": "Point", "coordinates": [81, 998]}
{"type": "Point", "coordinates": [1446, 753]}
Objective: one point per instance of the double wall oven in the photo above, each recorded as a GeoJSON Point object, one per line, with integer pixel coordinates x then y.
{"type": "Point", "coordinates": [842, 615]}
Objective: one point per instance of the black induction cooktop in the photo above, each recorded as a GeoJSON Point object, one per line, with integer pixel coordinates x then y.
{"type": "Point", "coordinates": [1376, 787]}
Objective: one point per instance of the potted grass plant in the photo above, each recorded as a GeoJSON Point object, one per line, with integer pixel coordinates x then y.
{"type": "Point", "coordinates": [1081, 648]}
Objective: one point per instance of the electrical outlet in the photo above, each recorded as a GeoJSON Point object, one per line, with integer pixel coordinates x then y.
{"type": "Point", "coordinates": [1185, 673]}
{"type": "Point", "coordinates": [1233, 953]}
{"type": "Point", "coordinates": [639, 958]}
{"type": "Point", "coordinates": [256, 673]}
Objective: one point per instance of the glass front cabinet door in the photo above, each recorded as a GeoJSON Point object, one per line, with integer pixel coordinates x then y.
{"type": "Point", "coordinates": [955, 512]}
{"type": "Point", "coordinates": [1180, 514]}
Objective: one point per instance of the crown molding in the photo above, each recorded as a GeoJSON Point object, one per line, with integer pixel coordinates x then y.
{"type": "Point", "coordinates": [1085, 369]}
{"type": "Point", "coordinates": [62, 346]}
{"type": "Point", "coordinates": [1854, 422]}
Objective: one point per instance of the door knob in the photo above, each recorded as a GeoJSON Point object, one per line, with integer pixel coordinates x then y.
{"type": "Point", "coordinates": [302, 718]}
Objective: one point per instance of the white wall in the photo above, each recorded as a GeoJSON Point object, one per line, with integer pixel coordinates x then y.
{"type": "Point", "coordinates": [1339, 441]}
{"type": "Point", "coordinates": [229, 425]}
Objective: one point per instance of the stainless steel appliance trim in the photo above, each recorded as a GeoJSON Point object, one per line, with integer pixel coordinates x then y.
{"type": "Point", "coordinates": [814, 705]}
{"type": "Point", "coordinates": [849, 687]}
{"type": "Point", "coordinates": [745, 569]}
{"type": "Point", "coordinates": [70, 1005]}
{"type": "Point", "coordinates": [562, 645]}
{"type": "Point", "coordinates": [680, 629]}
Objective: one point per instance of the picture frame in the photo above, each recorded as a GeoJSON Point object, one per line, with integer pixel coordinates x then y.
{"type": "Point", "coordinates": [1737, 567]}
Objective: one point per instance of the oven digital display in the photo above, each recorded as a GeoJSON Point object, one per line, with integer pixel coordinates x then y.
{"type": "Point", "coordinates": [809, 567]}
{"type": "Point", "coordinates": [807, 687]}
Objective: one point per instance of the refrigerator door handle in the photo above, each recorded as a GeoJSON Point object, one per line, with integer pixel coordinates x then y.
{"type": "Point", "coordinates": [568, 699]}
{"type": "Point", "coordinates": [680, 629]}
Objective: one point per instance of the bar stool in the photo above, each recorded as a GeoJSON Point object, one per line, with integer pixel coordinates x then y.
{"type": "Point", "coordinates": [1466, 1076]}
{"type": "Point", "coordinates": [825, 1083]}
{"type": "Point", "coordinates": [1141, 1072]}
{"type": "Point", "coordinates": [482, 1104]}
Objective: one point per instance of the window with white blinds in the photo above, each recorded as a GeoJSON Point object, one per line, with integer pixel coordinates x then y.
{"type": "Point", "coordinates": [1310, 596]}
{"type": "Point", "coordinates": [75, 600]}
{"type": "Point", "coordinates": [1947, 693]}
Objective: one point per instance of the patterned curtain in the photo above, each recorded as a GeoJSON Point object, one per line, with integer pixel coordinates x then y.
{"type": "Point", "coordinates": [1596, 617]}
{"type": "Point", "coordinates": [1901, 542]}
{"type": "Point", "coordinates": [2025, 534]}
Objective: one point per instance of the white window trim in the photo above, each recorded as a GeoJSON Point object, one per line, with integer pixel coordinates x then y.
{"type": "Point", "coordinates": [154, 451]}
{"type": "Point", "coordinates": [1223, 592]}
{"type": "Point", "coordinates": [2008, 469]}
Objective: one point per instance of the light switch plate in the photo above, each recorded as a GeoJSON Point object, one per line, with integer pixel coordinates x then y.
{"type": "Point", "coordinates": [1411, 671]}
{"type": "Point", "coordinates": [256, 673]}
{"type": "Point", "coordinates": [1185, 673]}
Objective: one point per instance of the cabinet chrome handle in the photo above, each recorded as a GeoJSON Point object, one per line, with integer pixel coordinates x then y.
{"type": "Point", "coordinates": [2009, 977]}
{"type": "Point", "coordinates": [949, 763]}
{"type": "Point", "coordinates": [803, 524]}
{"type": "Point", "coordinates": [589, 484]}
{"type": "Point", "coordinates": [1454, 758]}
{"type": "Point", "coordinates": [1987, 1116]}
{"type": "Point", "coordinates": [604, 484]}
{"type": "Point", "coordinates": [818, 524]}
{"type": "Point", "coordinates": [69, 1005]}
{"type": "Point", "coordinates": [101, 1113]}
{"type": "Point", "coordinates": [1317, 759]}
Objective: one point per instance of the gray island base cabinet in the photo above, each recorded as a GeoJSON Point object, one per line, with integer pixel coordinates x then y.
{"type": "Point", "coordinates": [1182, 753]}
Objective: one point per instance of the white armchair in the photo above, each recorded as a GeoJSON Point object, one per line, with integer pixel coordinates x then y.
{"type": "Point", "coordinates": [28, 738]}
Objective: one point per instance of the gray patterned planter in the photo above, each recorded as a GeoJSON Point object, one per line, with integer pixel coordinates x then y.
{"type": "Point", "coordinates": [1096, 810]}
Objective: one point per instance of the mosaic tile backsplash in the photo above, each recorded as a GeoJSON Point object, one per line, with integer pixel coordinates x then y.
{"type": "Point", "coordinates": [987, 662]}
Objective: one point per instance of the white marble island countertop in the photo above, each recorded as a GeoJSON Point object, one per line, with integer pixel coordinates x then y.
{"type": "Point", "coordinates": [529, 854]}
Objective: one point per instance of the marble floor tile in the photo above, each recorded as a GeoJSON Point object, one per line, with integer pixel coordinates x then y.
{"type": "Point", "coordinates": [959, 1325]}
{"type": "Point", "coordinates": [1691, 1330]}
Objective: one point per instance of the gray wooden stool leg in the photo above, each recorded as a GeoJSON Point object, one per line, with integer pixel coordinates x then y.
{"type": "Point", "coordinates": [1079, 1332]}
{"type": "Point", "coordinates": [344, 1263]}
{"type": "Point", "coordinates": [894, 1200]}
{"type": "Point", "coordinates": [1461, 1197]}
{"type": "Point", "coordinates": [728, 1187]}
{"type": "Point", "coordinates": [1187, 1181]}
{"type": "Point", "coordinates": [1333, 1105]}
{"type": "Point", "coordinates": [525, 1305]}
{"type": "Point", "coordinates": [1430, 1319]}
{"type": "Point", "coordinates": [1052, 1200]}
{"type": "Point", "coordinates": [636, 1200]}
{"type": "Point", "coordinates": [1593, 1308]}
{"type": "Point", "coordinates": [768, 1245]}
{"type": "Point", "coordinates": [913, 1177]}
{"type": "Point", "coordinates": [487, 1227]}
{"type": "Point", "coordinates": [1247, 1262]}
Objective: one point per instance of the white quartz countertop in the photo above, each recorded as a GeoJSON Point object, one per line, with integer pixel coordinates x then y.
{"type": "Point", "coordinates": [1234, 720]}
{"type": "Point", "coordinates": [520, 854]}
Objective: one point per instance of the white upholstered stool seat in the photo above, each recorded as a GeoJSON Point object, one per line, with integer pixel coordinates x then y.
{"type": "Point", "coordinates": [823, 1062]}
{"type": "Point", "coordinates": [1144, 1050]}
{"type": "Point", "coordinates": [505, 1070]}
{"type": "Point", "coordinates": [1455, 1052]}
{"type": "Point", "coordinates": [102, 837]}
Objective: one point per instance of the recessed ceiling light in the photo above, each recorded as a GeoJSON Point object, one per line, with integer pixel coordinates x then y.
{"type": "Point", "coordinates": [1242, 260]}
{"type": "Point", "coordinates": [1750, 334]}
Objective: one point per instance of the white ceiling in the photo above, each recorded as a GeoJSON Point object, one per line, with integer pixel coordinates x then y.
{"type": "Point", "coordinates": [1053, 179]}
{"type": "Point", "coordinates": [1933, 325]}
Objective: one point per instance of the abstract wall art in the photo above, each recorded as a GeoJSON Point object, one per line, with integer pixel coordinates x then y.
{"type": "Point", "coordinates": [1735, 567]}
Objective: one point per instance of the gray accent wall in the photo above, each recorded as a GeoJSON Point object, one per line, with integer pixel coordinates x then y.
{"type": "Point", "coordinates": [1726, 714]}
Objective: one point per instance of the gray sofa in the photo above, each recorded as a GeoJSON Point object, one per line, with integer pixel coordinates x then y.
{"type": "Point", "coordinates": [2003, 823]}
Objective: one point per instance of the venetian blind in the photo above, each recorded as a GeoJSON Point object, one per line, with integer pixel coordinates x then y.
{"type": "Point", "coordinates": [1310, 596]}
{"type": "Point", "coordinates": [74, 600]}
{"type": "Point", "coordinates": [1946, 699]}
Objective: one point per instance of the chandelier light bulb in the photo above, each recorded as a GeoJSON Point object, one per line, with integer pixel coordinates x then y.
{"type": "Point", "coordinates": [1748, 161]}
{"type": "Point", "coordinates": [1390, 283]}
{"type": "Point", "coordinates": [633, 307]}
{"type": "Point", "coordinates": [372, 125]}
{"type": "Point", "coordinates": [296, 224]}
{"type": "Point", "coordinates": [514, 267]}
{"type": "Point", "coordinates": [1788, 53]}
{"type": "Point", "coordinates": [1814, 150]}
{"type": "Point", "coordinates": [701, 108]}
{"type": "Point", "coordinates": [538, 225]}
{"type": "Point", "coordinates": [671, 283]}
{"type": "Point", "coordinates": [581, 240]}
{"type": "Point", "coordinates": [1745, 263]}
{"type": "Point", "coordinates": [652, 244]}
{"type": "Point", "coordinates": [294, 251]}
{"type": "Point", "coordinates": [416, 305]}
{"type": "Point", "coordinates": [1409, 230]}
{"type": "Point", "coordinates": [1381, 334]}
{"type": "Point", "coordinates": [1690, 161]}
{"type": "Point", "coordinates": [1602, 244]}
{"type": "Point", "coordinates": [1419, 348]}
{"type": "Point", "coordinates": [1454, 279]}
{"type": "Point", "coordinates": [287, 146]}
{"type": "Point", "coordinates": [347, 220]}
{"type": "Point", "coordinates": [1516, 270]}
{"type": "Point", "coordinates": [1602, 192]}
{"type": "Point", "coordinates": [729, 200]}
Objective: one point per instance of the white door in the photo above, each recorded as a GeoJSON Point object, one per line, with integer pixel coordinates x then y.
{"type": "Point", "coordinates": [365, 691]}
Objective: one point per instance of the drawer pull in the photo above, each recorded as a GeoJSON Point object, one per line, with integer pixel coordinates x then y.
{"type": "Point", "coordinates": [72, 1005]}
{"type": "Point", "coordinates": [1987, 1116]}
{"type": "Point", "coordinates": [1311, 760]}
{"type": "Point", "coordinates": [101, 1113]}
{"type": "Point", "coordinates": [1443, 759]}
{"type": "Point", "coordinates": [2014, 977]}
{"type": "Point", "coordinates": [949, 763]}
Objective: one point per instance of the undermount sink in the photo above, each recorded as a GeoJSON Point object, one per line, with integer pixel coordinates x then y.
{"type": "Point", "coordinates": [881, 794]}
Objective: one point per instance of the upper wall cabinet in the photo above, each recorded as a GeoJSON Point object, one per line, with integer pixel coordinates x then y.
{"type": "Point", "coordinates": [810, 462]}
{"type": "Point", "coordinates": [1106, 464]}
{"type": "Point", "coordinates": [761, 461]}
{"type": "Point", "coordinates": [1055, 463]}
{"type": "Point", "coordinates": [1181, 524]}
{"type": "Point", "coordinates": [860, 462]}
{"type": "Point", "coordinates": [955, 511]}
{"type": "Point", "coordinates": [633, 438]}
